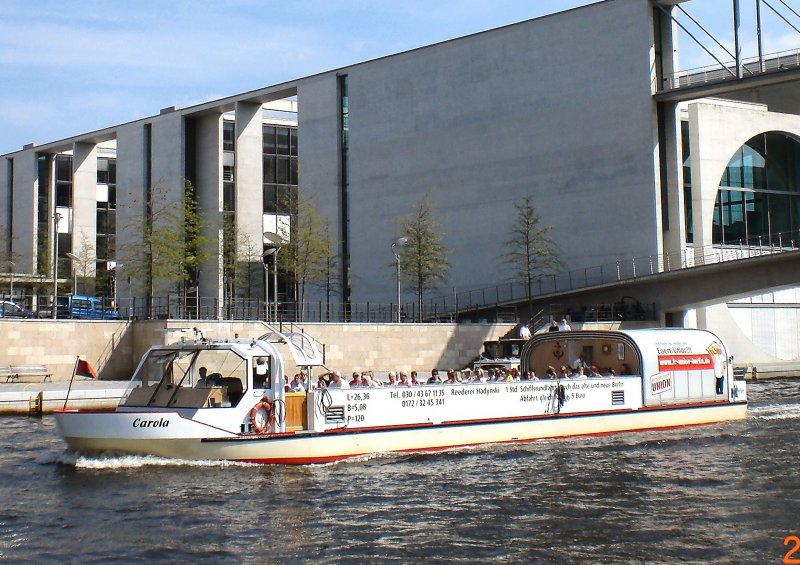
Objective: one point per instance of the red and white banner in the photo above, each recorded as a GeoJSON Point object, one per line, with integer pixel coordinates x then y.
{"type": "Point", "coordinates": [685, 362]}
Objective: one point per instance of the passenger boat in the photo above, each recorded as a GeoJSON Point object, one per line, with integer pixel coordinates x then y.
{"type": "Point", "coordinates": [665, 378]}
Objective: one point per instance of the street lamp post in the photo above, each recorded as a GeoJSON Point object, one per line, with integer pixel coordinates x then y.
{"type": "Point", "coordinates": [272, 244]}
{"type": "Point", "coordinates": [11, 290]}
{"type": "Point", "coordinates": [397, 244]}
{"type": "Point", "coordinates": [116, 273]}
{"type": "Point", "coordinates": [57, 218]}
{"type": "Point", "coordinates": [73, 259]}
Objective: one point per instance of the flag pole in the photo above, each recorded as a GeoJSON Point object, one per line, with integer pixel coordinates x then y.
{"type": "Point", "coordinates": [74, 370]}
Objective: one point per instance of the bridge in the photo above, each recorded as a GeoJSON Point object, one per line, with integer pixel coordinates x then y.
{"type": "Point", "coordinates": [650, 285]}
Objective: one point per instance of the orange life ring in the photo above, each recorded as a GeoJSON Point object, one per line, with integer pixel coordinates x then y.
{"type": "Point", "coordinates": [261, 428]}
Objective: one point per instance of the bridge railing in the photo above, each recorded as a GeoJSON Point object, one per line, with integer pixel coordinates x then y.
{"type": "Point", "coordinates": [751, 66]}
{"type": "Point", "coordinates": [618, 271]}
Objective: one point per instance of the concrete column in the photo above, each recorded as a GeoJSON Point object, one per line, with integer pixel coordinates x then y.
{"type": "Point", "coordinates": [131, 191]}
{"type": "Point", "coordinates": [25, 228]}
{"type": "Point", "coordinates": [84, 211]}
{"type": "Point", "coordinates": [675, 237]}
{"type": "Point", "coordinates": [167, 174]}
{"type": "Point", "coordinates": [248, 171]}
{"type": "Point", "coordinates": [208, 185]}
{"type": "Point", "coordinates": [6, 187]}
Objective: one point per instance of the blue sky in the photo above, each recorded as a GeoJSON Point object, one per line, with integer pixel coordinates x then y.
{"type": "Point", "coordinates": [72, 66]}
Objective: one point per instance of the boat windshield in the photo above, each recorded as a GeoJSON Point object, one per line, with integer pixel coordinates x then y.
{"type": "Point", "coordinates": [188, 378]}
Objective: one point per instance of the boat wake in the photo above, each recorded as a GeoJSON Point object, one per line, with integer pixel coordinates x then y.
{"type": "Point", "coordinates": [113, 462]}
{"type": "Point", "coordinates": [775, 411]}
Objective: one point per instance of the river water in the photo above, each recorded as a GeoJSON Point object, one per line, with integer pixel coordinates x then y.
{"type": "Point", "coordinates": [727, 493]}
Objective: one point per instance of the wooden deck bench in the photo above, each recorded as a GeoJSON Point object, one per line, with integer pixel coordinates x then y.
{"type": "Point", "coordinates": [17, 372]}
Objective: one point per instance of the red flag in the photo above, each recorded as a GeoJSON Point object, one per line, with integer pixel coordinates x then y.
{"type": "Point", "coordinates": [85, 370]}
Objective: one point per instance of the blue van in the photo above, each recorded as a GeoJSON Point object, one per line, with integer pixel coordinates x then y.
{"type": "Point", "coordinates": [90, 308]}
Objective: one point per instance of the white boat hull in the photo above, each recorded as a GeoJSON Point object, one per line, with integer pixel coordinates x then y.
{"type": "Point", "coordinates": [181, 438]}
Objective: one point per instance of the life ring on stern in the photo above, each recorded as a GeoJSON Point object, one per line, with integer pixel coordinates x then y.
{"type": "Point", "coordinates": [263, 423]}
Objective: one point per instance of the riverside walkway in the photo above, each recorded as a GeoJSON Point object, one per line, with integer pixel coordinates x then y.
{"type": "Point", "coordinates": [42, 398]}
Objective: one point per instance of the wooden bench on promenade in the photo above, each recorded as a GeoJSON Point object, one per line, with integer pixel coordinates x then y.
{"type": "Point", "coordinates": [13, 373]}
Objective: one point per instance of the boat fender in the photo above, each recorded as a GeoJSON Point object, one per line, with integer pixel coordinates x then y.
{"type": "Point", "coordinates": [263, 425]}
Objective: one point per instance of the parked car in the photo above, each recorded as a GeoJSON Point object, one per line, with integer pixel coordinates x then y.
{"type": "Point", "coordinates": [9, 309]}
{"type": "Point", "coordinates": [80, 307]}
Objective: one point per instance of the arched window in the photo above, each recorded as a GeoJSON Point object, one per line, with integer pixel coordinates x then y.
{"type": "Point", "coordinates": [759, 194]}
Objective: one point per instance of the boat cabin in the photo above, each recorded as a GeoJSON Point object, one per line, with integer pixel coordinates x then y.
{"type": "Point", "coordinates": [676, 365]}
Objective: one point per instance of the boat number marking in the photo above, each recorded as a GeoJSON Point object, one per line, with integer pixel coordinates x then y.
{"type": "Point", "coordinates": [788, 557]}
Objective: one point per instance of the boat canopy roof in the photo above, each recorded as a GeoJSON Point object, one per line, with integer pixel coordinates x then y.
{"type": "Point", "coordinates": [303, 347]}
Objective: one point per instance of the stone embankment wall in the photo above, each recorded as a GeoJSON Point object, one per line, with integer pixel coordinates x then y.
{"type": "Point", "coordinates": [113, 348]}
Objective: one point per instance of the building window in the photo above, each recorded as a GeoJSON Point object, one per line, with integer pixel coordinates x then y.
{"type": "Point", "coordinates": [758, 201]}
{"type": "Point", "coordinates": [64, 181]}
{"type": "Point", "coordinates": [280, 169]}
{"type": "Point", "coordinates": [228, 136]}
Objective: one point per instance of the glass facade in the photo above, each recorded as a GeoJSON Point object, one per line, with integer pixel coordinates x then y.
{"type": "Point", "coordinates": [280, 169]}
{"type": "Point", "coordinates": [105, 245]}
{"type": "Point", "coordinates": [759, 194]}
{"type": "Point", "coordinates": [758, 202]}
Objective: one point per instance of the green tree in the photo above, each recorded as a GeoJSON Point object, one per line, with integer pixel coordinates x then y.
{"type": "Point", "coordinates": [423, 257]}
{"type": "Point", "coordinates": [173, 245]}
{"type": "Point", "coordinates": [530, 249]}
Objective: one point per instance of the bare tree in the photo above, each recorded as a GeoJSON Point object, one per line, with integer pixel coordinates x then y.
{"type": "Point", "coordinates": [84, 265]}
{"type": "Point", "coordinates": [423, 258]}
{"type": "Point", "coordinates": [305, 258]}
{"type": "Point", "coordinates": [531, 250]}
{"type": "Point", "coordinates": [249, 266]}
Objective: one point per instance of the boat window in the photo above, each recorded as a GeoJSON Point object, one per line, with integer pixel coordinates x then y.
{"type": "Point", "coordinates": [262, 373]}
{"type": "Point", "coordinates": [190, 378]}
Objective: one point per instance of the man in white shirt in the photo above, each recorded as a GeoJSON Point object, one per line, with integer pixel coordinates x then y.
{"type": "Point", "coordinates": [337, 381]}
{"type": "Point", "coordinates": [564, 326]}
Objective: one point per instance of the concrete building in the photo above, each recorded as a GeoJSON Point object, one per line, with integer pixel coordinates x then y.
{"type": "Point", "coordinates": [586, 111]}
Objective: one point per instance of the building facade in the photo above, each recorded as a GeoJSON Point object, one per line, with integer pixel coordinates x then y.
{"type": "Point", "coordinates": [576, 110]}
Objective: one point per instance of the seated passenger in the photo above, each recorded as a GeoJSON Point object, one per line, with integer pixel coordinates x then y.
{"type": "Point", "coordinates": [594, 372]}
{"type": "Point", "coordinates": [296, 385]}
{"type": "Point", "coordinates": [209, 379]}
{"type": "Point", "coordinates": [337, 381]}
{"type": "Point", "coordinates": [451, 378]}
{"type": "Point", "coordinates": [414, 379]}
{"type": "Point", "coordinates": [550, 372]}
{"type": "Point", "coordinates": [564, 374]}
{"type": "Point", "coordinates": [356, 381]}
{"type": "Point", "coordinates": [392, 379]}
{"type": "Point", "coordinates": [403, 379]}
{"type": "Point", "coordinates": [434, 378]}
{"type": "Point", "coordinates": [479, 377]}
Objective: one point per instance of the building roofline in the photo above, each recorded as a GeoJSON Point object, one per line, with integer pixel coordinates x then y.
{"type": "Point", "coordinates": [267, 93]}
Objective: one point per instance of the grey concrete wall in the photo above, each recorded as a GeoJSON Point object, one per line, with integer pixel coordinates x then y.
{"type": "Point", "coordinates": [553, 108]}
{"type": "Point", "coordinates": [249, 171]}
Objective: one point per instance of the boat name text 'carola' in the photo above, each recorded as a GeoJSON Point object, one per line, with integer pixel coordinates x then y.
{"type": "Point", "coordinates": [160, 423]}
